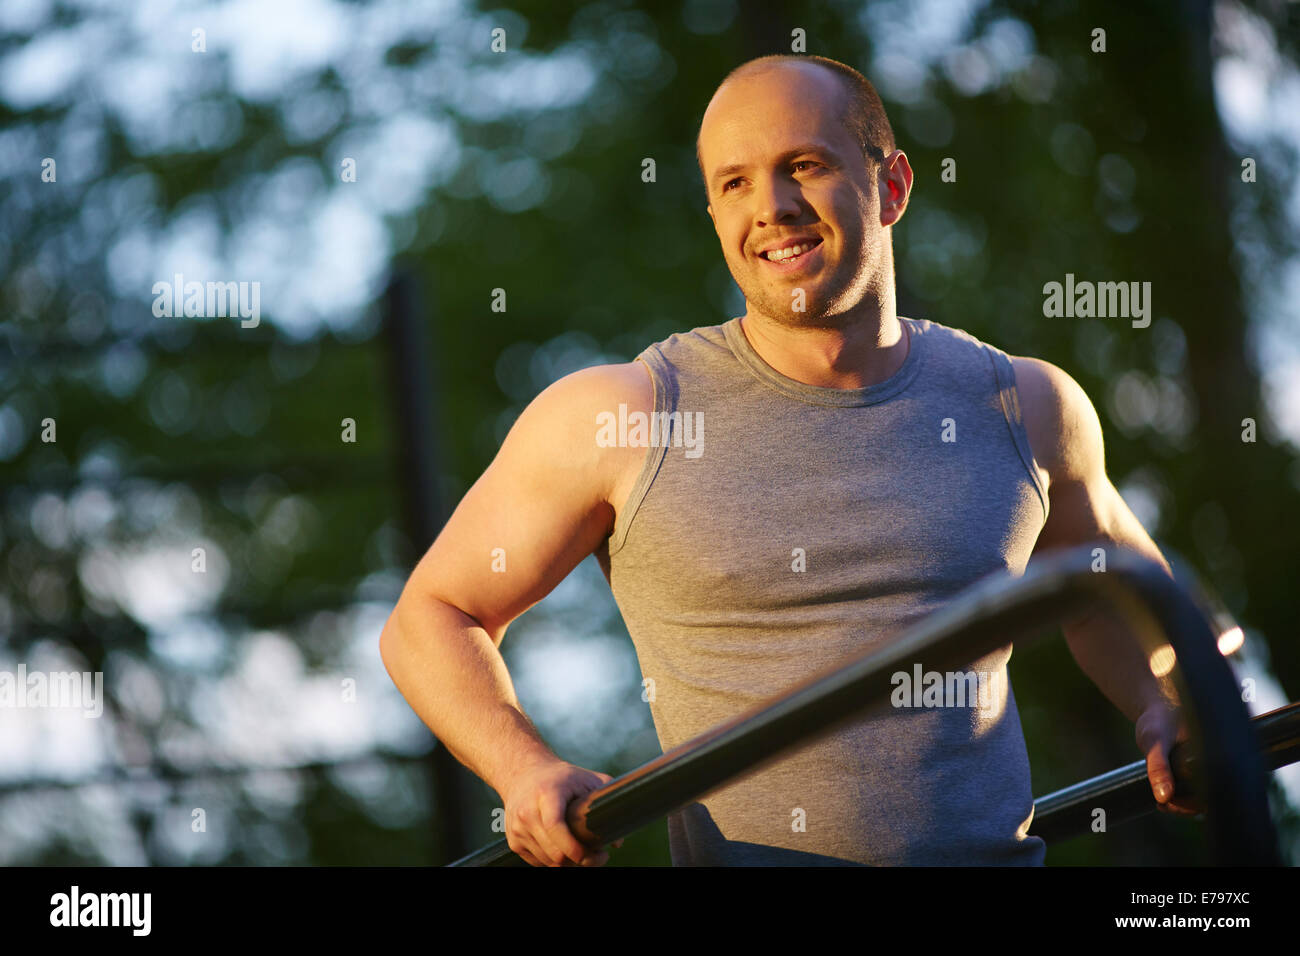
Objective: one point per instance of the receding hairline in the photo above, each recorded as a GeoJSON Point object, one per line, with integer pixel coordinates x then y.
{"type": "Point", "coordinates": [773, 63]}
{"type": "Point", "coordinates": [770, 64]}
{"type": "Point", "coordinates": [764, 65]}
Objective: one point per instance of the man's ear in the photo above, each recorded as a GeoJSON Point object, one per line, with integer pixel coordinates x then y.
{"type": "Point", "coordinates": [895, 177]}
{"type": "Point", "coordinates": [709, 208]}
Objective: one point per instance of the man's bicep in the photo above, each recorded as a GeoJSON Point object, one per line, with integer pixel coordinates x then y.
{"type": "Point", "coordinates": [1081, 498]}
{"type": "Point", "coordinates": [1084, 505]}
{"type": "Point", "coordinates": [1083, 512]}
{"type": "Point", "coordinates": [532, 516]}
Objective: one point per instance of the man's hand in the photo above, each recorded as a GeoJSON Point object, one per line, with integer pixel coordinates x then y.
{"type": "Point", "coordinates": [1158, 728]}
{"type": "Point", "coordinates": [535, 803]}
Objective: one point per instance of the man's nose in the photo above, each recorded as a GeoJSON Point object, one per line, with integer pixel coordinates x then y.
{"type": "Point", "coordinates": [777, 200]}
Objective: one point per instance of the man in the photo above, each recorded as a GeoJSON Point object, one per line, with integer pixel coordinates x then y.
{"type": "Point", "coordinates": [858, 469]}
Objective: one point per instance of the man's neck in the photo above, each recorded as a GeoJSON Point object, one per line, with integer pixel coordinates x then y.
{"type": "Point", "coordinates": [864, 352]}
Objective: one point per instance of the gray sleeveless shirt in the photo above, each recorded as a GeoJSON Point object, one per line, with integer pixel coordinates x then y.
{"type": "Point", "coordinates": [777, 528]}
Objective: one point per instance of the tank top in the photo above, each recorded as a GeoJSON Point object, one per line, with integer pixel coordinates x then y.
{"type": "Point", "coordinates": [776, 528]}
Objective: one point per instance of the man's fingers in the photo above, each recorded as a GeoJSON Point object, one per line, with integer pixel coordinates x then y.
{"type": "Point", "coordinates": [562, 848]}
{"type": "Point", "coordinates": [537, 810]}
{"type": "Point", "coordinates": [559, 838]}
{"type": "Point", "coordinates": [1183, 806]}
{"type": "Point", "coordinates": [549, 849]}
{"type": "Point", "coordinates": [538, 853]}
{"type": "Point", "coordinates": [526, 854]}
{"type": "Point", "coordinates": [1161, 777]}
{"type": "Point", "coordinates": [1159, 774]}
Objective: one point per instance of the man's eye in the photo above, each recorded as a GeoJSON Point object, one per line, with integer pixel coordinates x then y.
{"type": "Point", "coordinates": [803, 162]}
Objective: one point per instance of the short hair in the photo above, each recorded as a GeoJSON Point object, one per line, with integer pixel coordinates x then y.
{"type": "Point", "coordinates": [864, 114]}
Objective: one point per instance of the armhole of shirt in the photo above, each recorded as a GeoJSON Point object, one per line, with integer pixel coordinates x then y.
{"type": "Point", "coordinates": [665, 401]}
{"type": "Point", "coordinates": [1011, 413]}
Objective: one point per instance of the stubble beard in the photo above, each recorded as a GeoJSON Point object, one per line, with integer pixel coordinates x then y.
{"type": "Point", "coordinates": [823, 301]}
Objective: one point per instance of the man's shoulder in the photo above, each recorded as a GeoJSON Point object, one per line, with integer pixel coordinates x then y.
{"type": "Point", "coordinates": [955, 344]}
{"type": "Point", "coordinates": [589, 391]}
{"type": "Point", "coordinates": [1061, 422]}
{"type": "Point", "coordinates": [701, 338]}
{"type": "Point", "coordinates": [1064, 430]}
{"type": "Point", "coordinates": [1041, 381]}
{"type": "Point", "coordinates": [937, 331]}
{"type": "Point", "coordinates": [1048, 390]}
{"type": "Point", "coordinates": [1048, 394]}
{"type": "Point", "coordinates": [558, 431]}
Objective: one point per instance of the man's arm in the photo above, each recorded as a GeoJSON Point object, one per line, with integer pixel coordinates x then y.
{"type": "Point", "coordinates": [536, 512]}
{"type": "Point", "coordinates": [1084, 508]}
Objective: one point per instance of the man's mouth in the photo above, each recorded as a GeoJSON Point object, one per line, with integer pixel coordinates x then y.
{"type": "Point", "coordinates": [798, 258]}
{"type": "Point", "coordinates": [790, 252]}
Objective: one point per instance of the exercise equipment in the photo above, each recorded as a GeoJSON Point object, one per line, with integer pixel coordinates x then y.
{"type": "Point", "coordinates": [1125, 793]}
{"type": "Point", "coordinates": [1221, 760]}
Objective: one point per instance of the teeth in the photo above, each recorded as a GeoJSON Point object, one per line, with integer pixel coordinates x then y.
{"type": "Point", "coordinates": [776, 255]}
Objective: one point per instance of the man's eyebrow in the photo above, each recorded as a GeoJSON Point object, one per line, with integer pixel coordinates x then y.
{"type": "Point", "coordinates": [789, 154]}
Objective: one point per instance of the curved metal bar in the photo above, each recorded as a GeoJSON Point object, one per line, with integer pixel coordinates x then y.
{"type": "Point", "coordinates": [988, 615]}
{"type": "Point", "coordinates": [1125, 793]}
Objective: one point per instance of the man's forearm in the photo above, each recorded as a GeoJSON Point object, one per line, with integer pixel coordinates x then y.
{"type": "Point", "coordinates": [454, 678]}
{"type": "Point", "coordinates": [1107, 650]}
{"type": "Point", "coordinates": [1105, 645]}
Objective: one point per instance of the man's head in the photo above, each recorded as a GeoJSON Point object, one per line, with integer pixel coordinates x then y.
{"type": "Point", "coordinates": [794, 147]}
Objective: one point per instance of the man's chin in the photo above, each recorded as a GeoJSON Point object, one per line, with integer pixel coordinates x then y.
{"type": "Point", "coordinates": [814, 317]}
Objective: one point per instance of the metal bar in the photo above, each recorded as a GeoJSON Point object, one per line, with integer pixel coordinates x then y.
{"type": "Point", "coordinates": [985, 617]}
{"type": "Point", "coordinates": [1125, 793]}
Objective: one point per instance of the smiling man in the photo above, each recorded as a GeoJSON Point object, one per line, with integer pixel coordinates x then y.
{"type": "Point", "coordinates": [856, 470]}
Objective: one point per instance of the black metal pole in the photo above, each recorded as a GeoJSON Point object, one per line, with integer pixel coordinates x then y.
{"type": "Point", "coordinates": [985, 617]}
{"type": "Point", "coordinates": [1125, 793]}
{"type": "Point", "coordinates": [416, 434]}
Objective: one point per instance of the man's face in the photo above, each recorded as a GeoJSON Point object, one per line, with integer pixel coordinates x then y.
{"type": "Point", "coordinates": [780, 167]}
